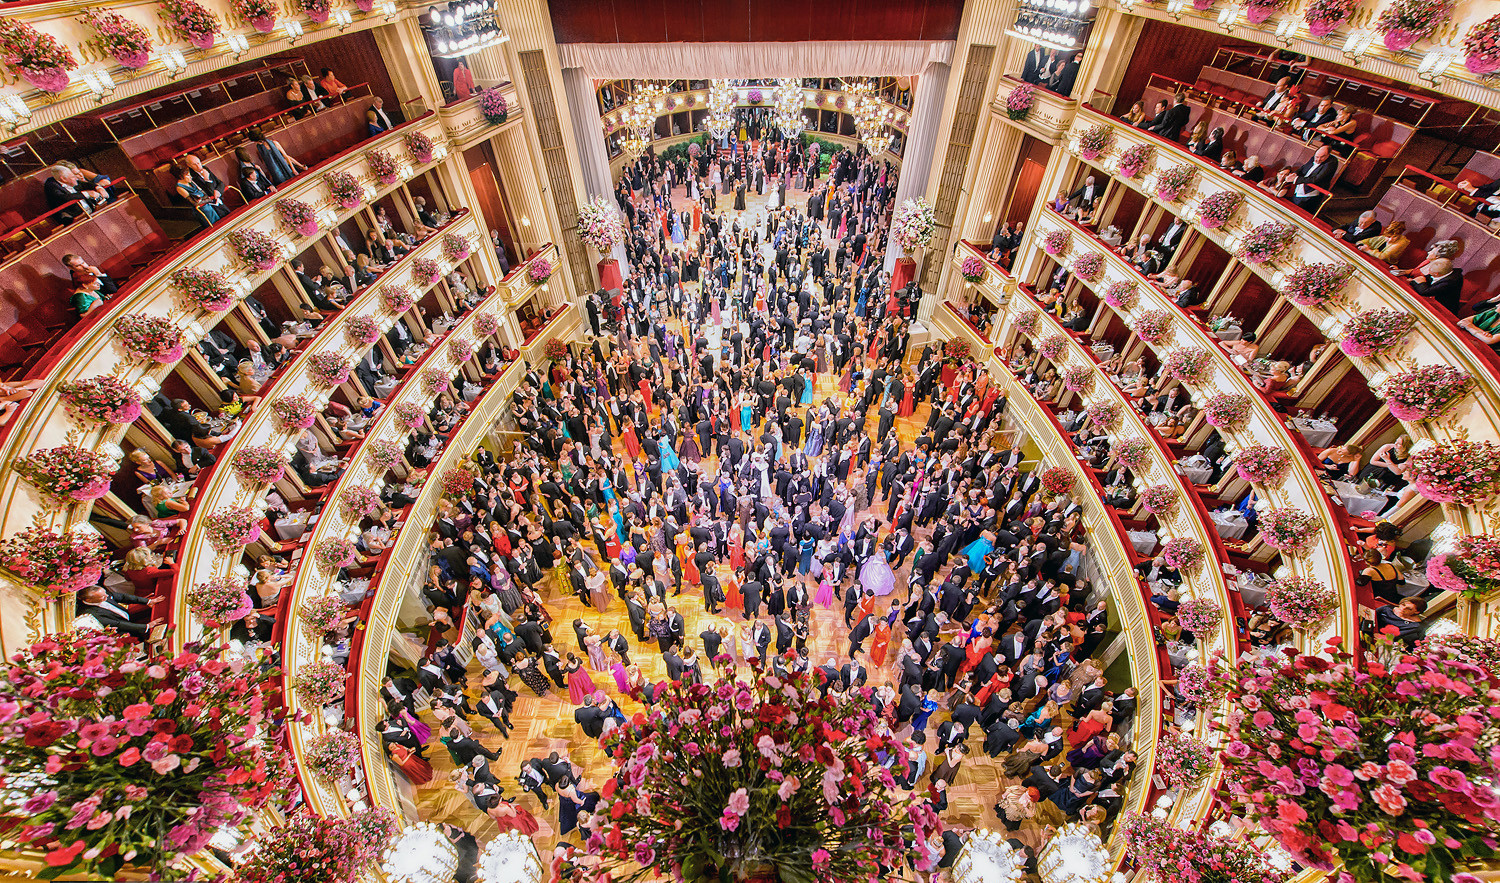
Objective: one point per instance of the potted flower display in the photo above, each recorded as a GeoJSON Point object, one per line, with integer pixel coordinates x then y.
{"type": "Point", "coordinates": [1153, 326]}
{"type": "Point", "coordinates": [460, 349]}
{"type": "Point", "coordinates": [1323, 17]}
{"type": "Point", "coordinates": [1404, 22]}
{"type": "Point", "coordinates": [1483, 652]}
{"type": "Point", "coordinates": [1196, 684]}
{"type": "Point", "coordinates": [339, 849]}
{"type": "Point", "coordinates": [485, 324]}
{"type": "Point", "coordinates": [1459, 471]}
{"type": "Point", "coordinates": [54, 563]}
{"type": "Point", "coordinates": [1183, 554]}
{"type": "Point", "coordinates": [1192, 365]}
{"type": "Point", "coordinates": [382, 166]}
{"type": "Point", "coordinates": [1200, 616]}
{"type": "Point", "coordinates": [383, 453]}
{"type": "Point", "coordinates": [1469, 565]}
{"type": "Point", "coordinates": [1057, 242]}
{"type": "Point", "coordinates": [361, 330]}
{"type": "Point", "coordinates": [1182, 760]}
{"type": "Point", "coordinates": [1089, 266]}
{"type": "Point", "coordinates": [66, 475]}
{"type": "Point", "coordinates": [1079, 379]}
{"type": "Point", "coordinates": [398, 298]}
{"type": "Point", "coordinates": [103, 399]}
{"type": "Point", "coordinates": [228, 529]}
{"type": "Point", "coordinates": [1373, 332]}
{"type": "Point", "coordinates": [409, 415]}
{"type": "Point", "coordinates": [1053, 347]}
{"type": "Point", "coordinates": [1160, 500]}
{"type": "Point", "coordinates": [426, 271]}
{"type": "Point", "coordinates": [1162, 851]}
{"type": "Point", "coordinates": [1095, 141]}
{"type": "Point", "coordinates": [1020, 101]}
{"type": "Point", "coordinates": [207, 289]}
{"type": "Point", "coordinates": [323, 613]}
{"type": "Point", "coordinates": [220, 602]}
{"type": "Point", "coordinates": [1026, 323]}
{"type": "Point", "coordinates": [492, 106]}
{"type": "Point", "coordinates": [335, 553]}
{"type": "Point", "coordinates": [420, 147]}
{"type": "Point", "coordinates": [1426, 392]}
{"type": "Point", "coordinates": [359, 501]}
{"type": "Point", "coordinates": [1290, 531]}
{"type": "Point", "coordinates": [297, 216]}
{"type": "Point", "coordinates": [343, 188]}
{"type": "Point", "coordinates": [1215, 209]}
{"type": "Point", "coordinates": [191, 21]}
{"type": "Point", "coordinates": [255, 249]}
{"type": "Point", "coordinates": [600, 224]}
{"type": "Point", "coordinates": [436, 380]}
{"type": "Point", "coordinates": [317, 10]}
{"type": "Point", "coordinates": [973, 269]}
{"type": "Point", "coordinates": [456, 247]}
{"type": "Point", "coordinates": [539, 269]}
{"type": "Point", "coordinates": [1171, 183]}
{"type": "Point", "coordinates": [327, 369]}
{"type": "Point", "coordinates": [294, 413]}
{"type": "Point", "coordinates": [1258, 11]}
{"type": "Point", "coordinates": [319, 683]}
{"type": "Point", "coordinates": [1313, 285]}
{"type": "Point", "coordinates": [913, 225]}
{"type": "Point", "coordinates": [1482, 46]}
{"type": "Point", "coordinates": [1300, 601]}
{"type": "Point", "coordinates": [126, 42]}
{"type": "Point", "coordinates": [34, 56]}
{"type": "Point", "coordinates": [332, 755]}
{"type": "Point", "coordinates": [260, 14]}
{"type": "Point", "coordinates": [1057, 481]}
{"type": "Point", "coordinates": [259, 464]}
{"type": "Point", "coordinates": [1133, 453]}
{"type": "Point", "coordinates": [1122, 295]}
{"type": "Point", "coordinates": [755, 96]}
{"type": "Point", "coordinates": [1266, 243]}
{"type": "Point", "coordinates": [1260, 464]}
{"type": "Point", "coordinates": [1227, 411]}
{"type": "Point", "coordinates": [1134, 159]}
{"type": "Point", "coordinates": [1105, 415]}
{"type": "Point", "coordinates": [149, 337]}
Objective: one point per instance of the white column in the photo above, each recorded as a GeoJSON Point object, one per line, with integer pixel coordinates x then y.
{"type": "Point", "coordinates": [921, 142]}
{"type": "Point", "coordinates": [583, 110]}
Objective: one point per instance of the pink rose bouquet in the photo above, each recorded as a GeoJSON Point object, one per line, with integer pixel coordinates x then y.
{"type": "Point", "coordinates": [1323, 17]}
{"type": "Point", "coordinates": [1160, 500]}
{"type": "Point", "coordinates": [1078, 378]}
{"type": "Point", "coordinates": [1300, 601]}
{"type": "Point", "coordinates": [1171, 183]}
{"type": "Point", "coordinates": [343, 188]}
{"type": "Point", "coordinates": [485, 324]}
{"type": "Point", "coordinates": [1459, 471]}
{"type": "Point", "coordinates": [331, 755]}
{"type": "Point", "coordinates": [420, 147]}
{"type": "Point", "coordinates": [1289, 530]}
{"type": "Point", "coordinates": [1470, 566]}
{"type": "Point", "coordinates": [297, 216]}
{"type": "Point", "coordinates": [319, 683]}
{"type": "Point", "coordinates": [1200, 686]}
{"type": "Point", "coordinates": [336, 552]}
{"type": "Point", "coordinates": [229, 529]}
{"type": "Point", "coordinates": [1183, 554]}
{"type": "Point", "coordinates": [37, 57]}
{"type": "Point", "coordinates": [1020, 101]}
{"type": "Point", "coordinates": [409, 415]}
{"type": "Point", "coordinates": [973, 269]}
{"type": "Point", "coordinates": [1095, 141]}
{"type": "Point", "coordinates": [259, 14]}
{"type": "Point", "coordinates": [1057, 242]}
{"type": "Point", "coordinates": [220, 602]}
{"type": "Point", "coordinates": [102, 399]}
{"type": "Point", "coordinates": [1192, 365]}
{"type": "Point", "coordinates": [66, 475]}
{"type": "Point", "coordinates": [149, 337]}
{"type": "Point", "coordinates": [1182, 760]}
{"type": "Point", "coordinates": [1404, 22]}
{"type": "Point", "coordinates": [1026, 323]}
{"type": "Point", "coordinates": [492, 105]}
{"type": "Point", "coordinates": [1053, 347]}
{"type": "Point", "coordinates": [1482, 46]}
{"type": "Point", "coordinates": [328, 369]}
{"type": "Point", "coordinates": [1057, 481]}
{"type": "Point", "coordinates": [1426, 392]}
{"type": "Point", "coordinates": [259, 464]}
{"type": "Point", "coordinates": [458, 481]}
{"type": "Point", "coordinates": [361, 330]}
{"type": "Point", "coordinates": [1162, 851]}
{"type": "Point", "coordinates": [1261, 464]}
{"type": "Point", "coordinates": [539, 269]}
{"type": "Point", "coordinates": [456, 247]}
{"type": "Point", "coordinates": [192, 21]}
{"type": "Point", "coordinates": [384, 453]}
{"type": "Point", "coordinates": [1227, 411]}
{"type": "Point", "coordinates": [1153, 326]}
{"type": "Point", "coordinates": [324, 612]}
{"type": "Point", "coordinates": [1134, 160]}
{"type": "Point", "coordinates": [1089, 266]}
{"type": "Point", "coordinates": [319, 849]}
{"type": "Point", "coordinates": [1215, 209]}
{"type": "Point", "coordinates": [206, 289]}
{"type": "Point", "coordinates": [460, 349]}
{"type": "Point", "coordinates": [1267, 242]}
{"type": "Point", "coordinates": [382, 166]}
{"type": "Point", "coordinates": [1133, 453]}
{"type": "Point", "coordinates": [358, 501]}
{"type": "Point", "coordinates": [294, 413]}
{"type": "Point", "coordinates": [255, 249]}
{"type": "Point", "coordinates": [1122, 296]}
{"type": "Point", "coordinates": [1200, 617]}
{"type": "Point", "coordinates": [1105, 415]}
{"type": "Point", "coordinates": [127, 42]}
{"type": "Point", "coordinates": [398, 298]}
{"type": "Point", "coordinates": [55, 563]}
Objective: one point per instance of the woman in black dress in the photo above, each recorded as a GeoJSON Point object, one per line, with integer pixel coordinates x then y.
{"type": "Point", "coordinates": [532, 674]}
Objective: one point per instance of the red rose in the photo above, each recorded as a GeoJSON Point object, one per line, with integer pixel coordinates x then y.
{"type": "Point", "coordinates": [609, 789]}
{"type": "Point", "coordinates": [783, 816]}
{"type": "Point", "coordinates": [42, 735]}
{"type": "Point", "coordinates": [129, 756]}
{"type": "Point", "coordinates": [618, 809]}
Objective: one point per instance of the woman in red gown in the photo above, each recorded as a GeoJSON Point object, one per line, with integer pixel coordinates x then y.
{"type": "Point", "coordinates": [881, 643]}
{"type": "Point", "coordinates": [510, 817]}
{"type": "Point", "coordinates": [632, 444]}
{"type": "Point", "coordinates": [413, 767]}
{"type": "Point", "coordinates": [907, 407]}
{"type": "Point", "coordinates": [645, 386]}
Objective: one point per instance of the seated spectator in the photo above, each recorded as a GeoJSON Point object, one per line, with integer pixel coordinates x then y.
{"type": "Point", "coordinates": [68, 186]}
{"type": "Point", "coordinates": [1251, 170]}
{"type": "Point", "coordinates": [1308, 122]}
{"type": "Point", "coordinates": [379, 249]}
{"type": "Point", "coordinates": [1405, 618]}
{"type": "Point", "coordinates": [149, 470]}
{"type": "Point", "coordinates": [427, 222]}
{"type": "Point", "coordinates": [1213, 147]}
{"type": "Point", "coordinates": [1438, 278]}
{"type": "Point", "coordinates": [189, 459]}
{"type": "Point", "coordinates": [330, 84]}
{"type": "Point", "coordinates": [188, 191]}
{"type": "Point", "coordinates": [1280, 185]}
{"type": "Point", "coordinates": [372, 124]}
{"type": "Point", "coordinates": [1066, 75]}
{"type": "Point", "coordinates": [1366, 227]}
{"type": "Point", "coordinates": [113, 610]}
{"type": "Point", "coordinates": [207, 181]}
{"type": "Point", "coordinates": [365, 272]}
{"type": "Point", "coordinates": [1340, 462]}
{"type": "Point", "coordinates": [82, 272]}
{"type": "Point", "coordinates": [1274, 380]}
{"type": "Point", "coordinates": [1243, 351]}
{"type": "Point", "coordinates": [1318, 173]}
{"type": "Point", "coordinates": [377, 106]}
{"type": "Point", "coordinates": [1229, 161]}
{"type": "Point", "coordinates": [279, 165]}
{"type": "Point", "coordinates": [1136, 113]}
{"type": "Point", "coordinates": [1283, 95]}
{"type": "Point", "coordinates": [1338, 132]}
{"type": "Point", "coordinates": [1388, 246]}
{"type": "Point", "coordinates": [1484, 325]}
{"type": "Point", "coordinates": [1169, 124]}
{"type": "Point", "coordinates": [144, 568]}
{"type": "Point", "coordinates": [87, 295]}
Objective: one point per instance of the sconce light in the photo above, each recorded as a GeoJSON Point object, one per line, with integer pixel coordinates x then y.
{"type": "Point", "coordinates": [113, 452]}
{"type": "Point", "coordinates": [525, 221]}
{"type": "Point", "coordinates": [14, 111]}
{"type": "Point", "coordinates": [239, 44]}
{"type": "Point", "coordinates": [1227, 18]}
{"type": "Point", "coordinates": [1358, 46]}
{"type": "Point", "coordinates": [147, 386]}
{"type": "Point", "coordinates": [1434, 65]}
{"type": "Point", "coordinates": [99, 83]}
{"type": "Point", "coordinates": [175, 61]}
{"type": "Point", "coordinates": [293, 30]}
{"type": "Point", "coordinates": [342, 18]}
{"type": "Point", "coordinates": [1175, 8]}
{"type": "Point", "coordinates": [1287, 30]}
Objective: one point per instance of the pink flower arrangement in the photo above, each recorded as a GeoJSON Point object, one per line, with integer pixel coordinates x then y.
{"type": "Point", "coordinates": [66, 475]}
{"type": "Point", "coordinates": [1227, 411]}
{"type": "Point", "coordinates": [294, 413]}
{"type": "Point", "coordinates": [1382, 767]}
{"type": "Point", "coordinates": [1171, 183]}
{"type": "Point", "coordinates": [327, 369]}
{"type": "Point", "coordinates": [1215, 209]}
{"type": "Point", "coordinates": [492, 106]}
{"type": "Point", "coordinates": [1482, 46]}
{"type": "Point", "coordinates": [324, 612]}
{"type": "Point", "coordinates": [1426, 392]}
{"type": "Point", "coordinates": [1134, 160]}
{"type": "Point", "coordinates": [191, 21]}
{"type": "Point", "coordinates": [336, 552]}
{"type": "Point", "coordinates": [144, 772]}
{"type": "Point", "coordinates": [456, 247]}
{"type": "Point", "coordinates": [220, 602]}
{"type": "Point", "coordinates": [317, 10]}
{"type": "Point", "coordinates": [1290, 531]}
{"type": "Point", "coordinates": [359, 501]}
{"type": "Point", "coordinates": [458, 481]}
{"type": "Point", "coordinates": [1459, 471]}
{"type": "Point", "coordinates": [331, 755]}
{"type": "Point", "coordinates": [1057, 481]}
{"type": "Point", "coordinates": [1192, 365]}
{"type": "Point", "coordinates": [460, 349]}
{"type": "Point", "coordinates": [1373, 332]}
{"type": "Point", "coordinates": [149, 337]}
{"type": "Point", "coordinates": [259, 14]}
{"type": "Point", "coordinates": [436, 380]}
{"type": "Point", "coordinates": [1160, 500]}
{"type": "Point", "coordinates": [1183, 554]}
{"type": "Point", "coordinates": [398, 298]}
{"type": "Point", "coordinates": [1196, 684]}
{"type": "Point", "coordinates": [1105, 415]}
{"type": "Point", "coordinates": [259, 464]}
{"type": "Point", "coordinates": [1313, 285]}
{"type": "Point", "coordinates": [1026, 323]}
{"type": "Point", "coordinates": [1404, 22]}
{"type": "Point", "coordinates": [1483, 652]}
{"type": "Point", "coordinates": [1162, 851]}
{"type": "Point", "coordinates": [1122, 296]}
{"type": "Point", "coordinates": [318, 849]}
{"type": "Point", "coordinates": [1470, 566]}
{"type": "Point", "coordinates": [1200, 617]}
{"type": "Point", "coordinates": [1095, 141]}
{"type": "Point", "coordinates": [409, 415]}
{"type": "Point", "coordinates": [206, 289]}
{"type": "Point", "coordinates": [383, 453]}
{"type": "Point", "coordinates": [228, 529]}
{"type": "Point", "coordinates": [1300, 601]}
{"type": "Point", "coordinates": [127, 42]}
{"type": "Point", "coordinates": [426, 271]}
{"type": "Point", "coordinates": [539, 269]}
{"type": "Point", "coordinates": [1133, 453]}
{"type": "Point", "coordinates": [754, 96]}
{"type": "Point", "coordinates": [319, 683]}
{"type": "Point", "coordinates": [485, 324]}
{"type": "Point", "coordinates": [1257, 11]}
{"type": "Point", "coordinates": [1153, 326]}
{"type": "Point", "coordinates": [103, 399]}
{"type": "Point", "coordinates": [1323, 17]}
{"type": "Point", "coordinates": [973, 269]}
{"type": "Point", "coordinates": [600, 224]}
{"type": "Point", "coordinates": [1261, 464]}
{"type": "Point", "coordinates": [1182, 760]}
{"type": "Point", "coordinates": [37, 57]}
{"type": "Point", "coordinates": [420, 147]}
{"type": "Point", "coordinates": [297, 216]}
{"type": "Point", "coordinates": [361, 330]}
{"type": "Point", "coordinates": [1078, 378]}
{"type": "Point", "coordinates": [1020, 101]}
{"type": "Point", "coordinates": [1267, 242]}
{"type": "Point", "coordinates": [1053, 347]}
{"type": "Point", "coordinates": [343, 188]}
{"type": "Point", "coordinates": [1089, 266]}
{"type": "Point", "coordinates": [382, 166]}
{"type": "Point", "coordinates": [55, 563]}
{"type": "Point", "coordinates": [255, 249]}
{"type": "Point", "coordinates": [1057, 242]}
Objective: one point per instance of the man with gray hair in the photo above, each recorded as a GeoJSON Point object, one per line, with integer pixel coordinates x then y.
{"type": "Point", "coordinates": [67, 185]}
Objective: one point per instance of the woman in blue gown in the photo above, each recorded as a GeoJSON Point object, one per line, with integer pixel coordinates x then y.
{"type": "Point", "coordinates": [676, 228]}
{"type": "Point", "coordinates": [669, 461]}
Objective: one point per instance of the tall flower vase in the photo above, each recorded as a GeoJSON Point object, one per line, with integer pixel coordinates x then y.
{"type": "Point", "coordinates": [1257, 14]}
{"type": "Point", "coordinates": [1477, 65]}
{"type": "Point", "coordinates": [609, 274]}
{"type": "Point", "coordinates": [904, 272]}
{"type": "Point", "coordinates": [264, 24]}
{"type": "Point", "coordinates": [48, 79]}
{"type": "Point", "coordinates": [1323, 28]}
{"type": "Point", "coordinates": [1398, 39]}
{"type": "Point", "coordinates": [202, 41]}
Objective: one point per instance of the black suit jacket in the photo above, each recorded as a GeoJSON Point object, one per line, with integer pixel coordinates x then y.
{"type": "Point", "coordinates": [1170, 123]}
{"type": "Point", "coordinates": [109, 619]}
{"type": "Point", "coordinates": [591, 719]}
{"type": "Point", "coordinates": [1447, 290]}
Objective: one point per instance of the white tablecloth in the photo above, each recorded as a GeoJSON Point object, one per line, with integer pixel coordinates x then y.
{"type": "Point", "coordinates": [1143, 541]}
{"type": "Point", "coordinates": [1357, 503]}
{"type": "Point", "coordinates": [1228, 334]}
{"type": "Point", "coordinates": [1230, 525]}
{"type": "Point", "coordinates": [1319, 433]}
{"type": "Point", "coordinates": [1198, 474]}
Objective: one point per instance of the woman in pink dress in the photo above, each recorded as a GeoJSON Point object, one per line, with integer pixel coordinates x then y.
{"type": "Point", "coordinates": [622, 678]}
{"type": "Point", "coordinates": [579, 682]}
{"type": "Point", "coordinates": [824, 597]}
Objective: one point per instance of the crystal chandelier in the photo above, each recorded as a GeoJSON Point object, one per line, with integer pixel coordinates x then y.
{"type": "Point", "coordinates": [639, 117]}
{"type": "Point", "coordinates": [788, 102]}
{"type": "Point", "coordinates": [721, 101]}
{"type": "Point", "coordinates": [870, 116]}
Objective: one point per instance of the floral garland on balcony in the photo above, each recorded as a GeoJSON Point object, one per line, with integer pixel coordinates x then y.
{"type": "Point", "coordinates": [149, 337]}
{"type": "Point", "coordinates": [1182, 760]}
{"type": "Point", "coordinates": [1394, 754]}
{"type": "Point", "coordinates": [420, 147]}
{"type": "Point", "coordinates": [1122, 295]}
{"type": "Point", "coordinates": [913, 225]}
{"type": "Point", "coordinates": [206, 289]}
{"type": "Point", "coordinates": [1470, 566]}
{"type": "Point", "coordinates": [335, 553]}
{"type": "Point", "coordinates": [1404, 22]}
{"type": "Point", "coordinates": [127, 42]}
{"type": "Point", "coordinates": [1133, 453]}
{"type": "Point", "coordinates": [255, 249]}
{"type": "Point", "coordinates": [1057, 481]}
{"type": "Point", "coordinates": [436, 380]}
{"type": "Point", "coordinates": [338, 848]}
{"type": "Point", "coordinates": [460, 349]}
{"type": "Point", "coordinates": [331, 755]}
{"type": "Point", "coordinates": [1134, 159]}
{"type": "Point", "coordinates": [456, 247]}
{"type": "Point", "coordinates": [344, 188]}
{"type": "Point", "coordinates": [973, 269]}
{"type": "Point", "coordinates": [327, 369]}
{"type": "Point", "coordinates": [1183, 554]}
{"type": "Point", "coordinates": [1215, 209]}
{"type": "Point", "coordinates": [294, 413]}
{"type": "Point", "coordinates": [409, 415]}
{"type": "Point", "coordinates": [1095, 141]}
{"type": "Point", "coordinates": [1267, 242]}
{"type": "Point", "coordinates": [359, 501]}
{"type": "Point", "coordinates": [1460, 471]}
{"type": "Point", "coordinates": [1426, 392]}
{"type": "Point", "coordinates": [1196, 684]}
{"type": "Point", "coordinates": [1192, 365]}
{"type": "Point", "coordinates": [1200, 616]}
{"type": "Point", "coordinates": [1027, 322]}
{"type": "Point", "coordinates": [1171, 183]}
{"type": "Point", "coordinates": [1105, 415]}
{"type": "Point", "coordinates": [297, 216]}
{"type": "Point", "coordinates": [426, 271]}
{"type": "Point", "coordinates": [1300, 601]}
{"type": "Point", "coordinates": [492, 106]}
{"type": "Point", "coordinates": [1053, 347]}
{"type": "Point", "coordinates": [1323, 17]}
{"type": "Point", "coordinates": [1162, 852]}
{"type": "Point", "coordinates": [316, 684]}
{"type": "Point", "coordinates": [1313, 285]}
{"type": "Point", "coordinates": [1089, 266]}
{"type": "Point", "coordinates": [1160, 500]}
{"type": "Point", "coordinates": [1079, 379]}
{"type": "Point", "coordinates": [260, 14]}
{"type": "Point", "coordinates": [1257, 11]}
{"type": "Point", "coordinates": [1373, 332]}
{"type": "Point", "coordinates": [259, 464]}
{"type": "Point", "coordinates": [52, 563]}
{"type": "Point", "coordinates": [191, 21]}
{"type": "Point", "coordinates": [384, 453]}
{"type": "Point", "coordinates": [539, 269]}
{"type": "Point", "coordinates": [1227, 411]}
{"type": "Point", "coordinates": [382, 166]}
{"type": "Point", "coordinates": [220, 602]}
{"type": "Point", "coordinates": [361, 330]}
{"type": "Point", "coordinates": [228, 529]}
{"type": "Point", "coordinates": [66, 475]}
{"type": "Point", "coordinates": [600, 225]}
{"type": "Point", "coordinates": [485, 324]}
{"type": "Point", "coordinates": [103, 399]}
{"type": "Point", "coordinates": [317, 10]}
{"type": "Point", "coordinates": [1482, 46]}
{"type": "Point", "coordinates": [1020, 101]}
{"type": "Point", "coordinates": [323, 613]}
{"type": "Point", "coordinates": [1261, 464]}
{"type": "Point", "coordinates": [1290, 531]}
{"type": "Point", "coordinates": [398, 298]}
{"type": "Point", "coordinates": [35, 56]}
{"type": "Point", "coordinates": [1057, 242]}
{"type": "Point", "coordinates": [1153, 326]}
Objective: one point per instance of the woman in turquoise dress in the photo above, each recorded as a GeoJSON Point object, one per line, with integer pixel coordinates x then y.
{"type": "Point", "coordinates": [747, 414]}
{"type": "Point", "coordinates": [614, 512]}
{"type": "Point", "coordinates": [669, 461]}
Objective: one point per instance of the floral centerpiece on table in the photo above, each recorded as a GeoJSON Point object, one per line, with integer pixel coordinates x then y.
{"type": "Point", "coordinates": [1323, 17]}
{"type": "Point", "coordinates": [1200, 617]}
{"type": "Point", "coordinates": [259, 464]}
{"type": "Point", "coordinates": [102, 399]}
{"type": "Point", "coordinates": [1053, 347]}
{"type": "Point", "coordinates": [191, 21]}
{"type": "Point", "coordinates": [1227, 411]}
{"type": "Point", "coordinates": [1160, 500]}
{"type": "Point", "coordinates": [336, 552]}
{"type": "Point", "coordinates": [1122, 295]}
{"type": "Point", "coordinates": [319, 849]}
{"type": "Point", "coordinates": [126, 42]}
{"type": "Point", "coordinates": [1426, 392]}
{"type": "Point", "coordinates": [436, 380]}
{"type": "Point", "coordinates": [1164, 852]}
{"type": "Point", "coordinates": [327, 369]}
{"type": "Point", "coordinates": [1471, 566]}
{"type": "Point", "coordinates": [359, 501]}
{"type": "Point", "coordinates": [1057, 242]}
{"type": "Point", "coordinates": [1078, 378]}
{"type": "Point", "coordinates": [458, 481]}
{"type": "Point", "coordinates": [228, 529]}
{"type": "Point", "coordinates": [1171, 183]}
{"type": "Point", "coordinates": [1382, 767]}
{"type": "Point", "coordinates": [319, 683]}
{"type": "Point", "coordinates": [149, 337]}
{"type": "Point", "coordinates": [1288, 530]}
{"type": "Point", "coordinates": [1257, 11]}
{"type": "Point", "coordinates": [485, 324]}
{"type": "Point", "coordinates": [1026, 323]}
{"type": "Point", "coordinates": [1192, 365]}
{"type": "Point", "coordinates": [456, 247]}
{"type": "Point", "coordinates": [1373, 332]}
{"type": "Point", "coordinates": [1196, 684]}
{"type": "Point", "coordinates": [1134, 159]}
{"type": "Point", "coordinates": [1105, 415]}
{"type": "Point", "coordinates": [207, 289]}
{"type": "Point", "coordinates": [344, 188]}
{"type": "Point", "coordinates": [1089, 266]}
{"type": "Point", "coordinates": [1267, 242]}
{"type": "Point", "coordinates": [763, 778]}
{"type": "Point", "coordinates": [331, 755]}
{"type": "Point", "coordinates": [297, 216]}
{"type": "Point", "coordinates": [419, 146]}
{"type": "Point", "coordinates": [35, 56]}
{"type": "Point", "coordinates": [1020, 101]}
{"type": "Point", "coordinates": [55, 563]}
{"type": "Point", "coordinates": [382, 165]}
{"type": "Point", "coordinates": [1313, 285]}
{"type": "Point", "coordinates": [1261, 464]}
{"type": "Point", "coordinates": [1215, 209]}
{"type": "Point", "coordinates": [220, 602]}
{"type": "Point", "coordinates": [260, 14]}
{"type": "Point", "coordinates": [973, 269]}
{"type": "Point", "coordinates": [1183, 554]}
{"type": "Point", "coordinates": [600, 225]}
{"type": "Point", "coordinates": [539, 269]}
{"type": "Point", "coordinates": [913, 225]}
{"type": "Point", "coordinates": [384, 453]}
{"type": "Point", "coordinates": [409, 415]}
{"type": "Point", "coordinates": [955, 350]}
{"type": "Point", "coordinates": [1482, 46]}
{"type": "Point", "coordinates": [754, 96]}
{"type": "Point", "coordinates": [1057, 481]}
{"type": "Point", "coordinates": [361, 330]}
{"type": "Point", "coordinates": [323, 612]}
{"type": "Point", "coordinates": [1182, 760]}
{"type": "Point", "coordinates": [1300, 601]}
{"type": "Point", "coordinates": [255, 249]}
{"type": "Point", "coordinates": [178, 744]}
{"type": "Point", "coordinates": [1133, 453]}
{"type": "Point", "coordinates": [1095, 141]}
{"type": "Point", "coordinates": [1404, 22]}
{"type": "Point", "coordinates": [294, 413]}
{"type": "Point", "coordinates": [1460, 471]}
{"type": "Point", "coordinates": [460, 349]}
{"type": "Point", "coordinates": [66, 475]}
{"type": "Point", "coordinates": [1153, 326]}
{"type": "Point", "coordinates": [492, 106]}
{"type": "Point", "coordinates": [398, 298]}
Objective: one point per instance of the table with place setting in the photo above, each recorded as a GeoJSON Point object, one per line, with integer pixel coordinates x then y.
{"type": "Point", "coordinates": [1360, 502]}
{"type": "Point", "coordinates": [1144, 541]}
{"type": "Point", "coordinates": [1318, 431]}
{"type": "Point", "coordinates": [1230, 524]}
